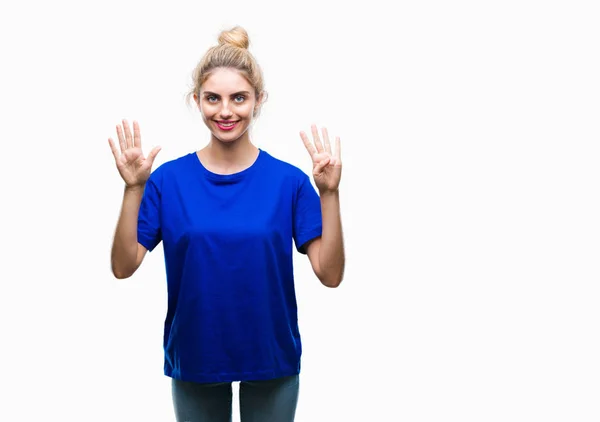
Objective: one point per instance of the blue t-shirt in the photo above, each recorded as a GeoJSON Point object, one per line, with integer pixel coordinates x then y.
{"type": "Point", "coordinates": [228, 243]}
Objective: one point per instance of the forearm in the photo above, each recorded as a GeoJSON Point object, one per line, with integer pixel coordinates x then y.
{"type": "Point", "coordinates": [125, 242]}
{"type": "Point", "coordinates": [331, 254]}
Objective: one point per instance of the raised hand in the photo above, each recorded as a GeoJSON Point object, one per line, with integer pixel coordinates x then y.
{"type": "Point", "coordinates": [327, 166]}
{"type": "Point", "coordinates": [132, 166]}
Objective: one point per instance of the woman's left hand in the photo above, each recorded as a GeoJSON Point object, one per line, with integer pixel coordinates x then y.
{"type": "Point", "coordinates": [327, 166]}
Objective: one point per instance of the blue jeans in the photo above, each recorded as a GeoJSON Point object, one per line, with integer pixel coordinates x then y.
{"type": "Point", "coordinates": [260, 401]}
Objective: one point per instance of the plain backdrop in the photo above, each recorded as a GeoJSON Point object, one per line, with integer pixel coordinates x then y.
{"type": "Point", "coordinates": [470, 138]}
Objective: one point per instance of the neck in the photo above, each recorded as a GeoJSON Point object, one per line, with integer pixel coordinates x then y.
{"type": "Point", "coordinates": [230, 157]}
{"type": "Point", "coordinates": [230, 152]}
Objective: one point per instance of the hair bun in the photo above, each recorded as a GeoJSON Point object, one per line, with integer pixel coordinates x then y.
{"type": "Point", "coordinates": [237, 36]}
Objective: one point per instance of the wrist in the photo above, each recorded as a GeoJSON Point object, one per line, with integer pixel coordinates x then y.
{"type": "Point", "coordinates": [329, 193]}
{"type": "Point", "coordinates": [135, 188]}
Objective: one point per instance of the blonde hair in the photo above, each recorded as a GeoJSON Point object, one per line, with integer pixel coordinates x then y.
{"type": "Point", "coordinates": [231, 52]}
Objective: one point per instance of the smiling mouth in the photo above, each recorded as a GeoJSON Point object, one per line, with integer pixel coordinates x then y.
{"type": "Point", "coordinates": [226, 125]}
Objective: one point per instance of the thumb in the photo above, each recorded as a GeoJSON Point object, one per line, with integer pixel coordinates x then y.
{"type": "Point", "coordinates": [319, 167]}
{"type": "Point", "coordinates": [153, 155]}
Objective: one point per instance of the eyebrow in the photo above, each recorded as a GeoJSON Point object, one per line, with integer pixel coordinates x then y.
{"type": "Point", "coordinates": [233, 95]}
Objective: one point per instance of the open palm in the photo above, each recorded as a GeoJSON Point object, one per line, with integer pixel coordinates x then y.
{"type": "Point", "coordinates": [327, 165]}
{"type": "Point", "coordinates": [133, 167]}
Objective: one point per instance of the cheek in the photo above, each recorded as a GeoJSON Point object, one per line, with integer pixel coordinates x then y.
{"type": "Point", "coordinates": [206, 114]}
{"type": "Point", "coordinates": [208, 111]}
{"type": "Point", "coordinates": [205, 108]}
{"type": "Point", "coordinates": [247, 110]}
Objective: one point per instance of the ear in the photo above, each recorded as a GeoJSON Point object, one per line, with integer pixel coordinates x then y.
{"type": "Point", "coordinates": [262, 97]}
{"type": "Point", "coordinates": [197, 100]}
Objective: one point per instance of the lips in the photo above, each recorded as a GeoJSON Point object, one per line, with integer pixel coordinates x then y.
{"type": "Point", "coordinates": [226, 125]}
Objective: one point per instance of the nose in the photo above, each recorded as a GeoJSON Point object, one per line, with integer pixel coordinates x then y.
{"type": "Point", "coordinates": [225, 111]}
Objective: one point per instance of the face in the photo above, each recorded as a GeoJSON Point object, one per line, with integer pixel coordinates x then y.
{"type": "Point", "coordinates": [227, 102]}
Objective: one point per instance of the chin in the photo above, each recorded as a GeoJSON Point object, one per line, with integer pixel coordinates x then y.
{"type": "Point", "coordinates": [226, 140]}
{"type": "Point", "coordinates": [228, 137]}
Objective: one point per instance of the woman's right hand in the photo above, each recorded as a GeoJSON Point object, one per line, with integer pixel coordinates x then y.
{"type": "Point", "coordinates": [132, 166]}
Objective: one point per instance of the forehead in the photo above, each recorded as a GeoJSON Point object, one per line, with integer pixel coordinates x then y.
{"type": "Point", "coordinates": [226, 81]}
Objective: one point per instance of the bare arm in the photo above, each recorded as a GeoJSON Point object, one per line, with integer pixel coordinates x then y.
{"type": "Point", "coordinates": [127, 254]}
{"type": "Point", "coordinates": [326, 254]}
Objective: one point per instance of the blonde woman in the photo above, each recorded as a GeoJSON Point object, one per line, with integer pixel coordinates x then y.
{"type": "Point", "coordinates": [229, 216]}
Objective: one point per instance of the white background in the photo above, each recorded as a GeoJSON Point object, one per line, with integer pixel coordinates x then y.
{"type": "Point", "coordinates": [470, 138]}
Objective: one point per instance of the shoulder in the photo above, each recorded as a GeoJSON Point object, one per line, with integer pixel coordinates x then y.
{"type": "Point", "coordinates": [162, 176]}
{"type": "Point", "coordinates": [171, 168]}
{"type": "Point", "coordinates": [283, 168]}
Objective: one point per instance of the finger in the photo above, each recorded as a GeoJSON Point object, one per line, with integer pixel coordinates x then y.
{"type": "Point", "coordinates": [322, 164]}
{"type": "Point", "coordinates": [114, 149]}
{"type": "Point", "coordinates": [128, 137]}
{"type": "Point", "coordinates": [315, 134]}
{"type": "Point", "coordinates": [326, 140]}
{"type": "Point", "coordinates": [137, 137]}
{"type": "Point", "coordinates": [309, 146]}
{"type": "Point", "coordinates": [152, 155]}
{"type": "Point", "coordinates": [122, 142]}
{"type": "Point", "coordinates": [338, 149]}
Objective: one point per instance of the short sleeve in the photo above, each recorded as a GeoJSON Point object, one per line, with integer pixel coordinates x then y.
{"type": "Point", "coordinates": [308, 223]}
{"type": "Point", "coordinates": [149, 230]}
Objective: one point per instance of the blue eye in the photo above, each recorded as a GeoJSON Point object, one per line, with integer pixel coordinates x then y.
{"type": "Point", "coordinates": [239, 98]}
{"type": "Point", "coordinates": [211, 99]}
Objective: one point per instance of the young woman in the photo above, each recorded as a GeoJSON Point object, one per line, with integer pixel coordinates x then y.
{"type": "Point", "coordinates": [228, 216]}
